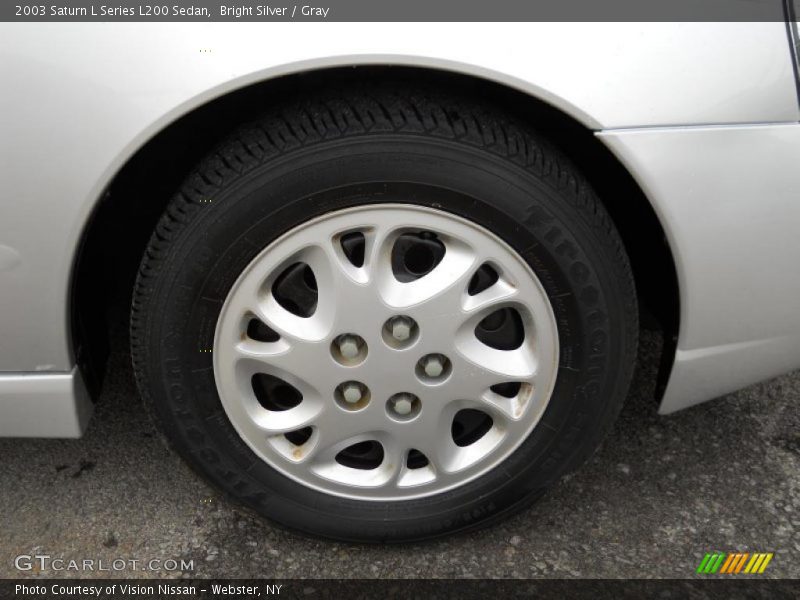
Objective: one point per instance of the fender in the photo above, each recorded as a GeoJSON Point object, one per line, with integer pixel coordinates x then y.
{"type": "Point", "coordinates": [77, 108]}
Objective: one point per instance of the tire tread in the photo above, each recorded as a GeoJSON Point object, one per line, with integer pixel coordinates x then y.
{"type": "Point", "coordinates": [362, 111]}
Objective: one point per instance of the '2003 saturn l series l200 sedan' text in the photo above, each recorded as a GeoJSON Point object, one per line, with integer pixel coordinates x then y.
{"type": "Point", "coordinates": [384, 284]}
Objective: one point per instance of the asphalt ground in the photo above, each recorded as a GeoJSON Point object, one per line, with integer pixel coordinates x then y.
{"type": "Point", "coordinates": [658, 495]}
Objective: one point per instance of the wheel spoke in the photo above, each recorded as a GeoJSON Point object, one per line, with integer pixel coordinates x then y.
{"type": "Point", "coordinates": [486, 362]}
{"type": "Point", "coordinates": [335, 275]}
{"type": "Point", "coordinates": [443, 286]}
{"type": "Point", "coordinates": [275, 423]}
{"type": "Point", "coordinates": [289, 362]}
{"type": "Point", "coordinates": [286, 324]}
{"type": "Point", "coordinates": [511, 410]}
{"type": "Point", "coordinates": [495, 296]}
{"type": "Point", "coordinates": [395, 451]}
{"type": "Point", "coordinates": [378, 241]}
{"type": "Point", "coordinates": [323, 458]}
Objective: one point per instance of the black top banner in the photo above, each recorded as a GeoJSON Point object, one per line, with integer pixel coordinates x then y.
{"type": "Point", "coordinates": [400, 10]}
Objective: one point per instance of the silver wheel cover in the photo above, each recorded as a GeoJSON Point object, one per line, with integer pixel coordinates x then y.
{"type": "Point", "coordinates": [360, 300]}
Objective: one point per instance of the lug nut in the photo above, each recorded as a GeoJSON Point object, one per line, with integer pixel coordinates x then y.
{"type": "Point", "coordinates": [349, 349]}
{"type": "Point", "coordinates": [348, 346]}
{"type": "Point", "coordinates": [401, 328]}
{"type": "Point", "coordinates": [352, 393]}
{"type": "Point", "coordinates": [402, 405]}
{"type": "Point", "coordinates": [400, 332]}
{"type": "Point", "coordinates": [434, 366]}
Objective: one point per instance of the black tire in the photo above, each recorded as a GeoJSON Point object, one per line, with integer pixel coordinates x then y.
{"type": "Point", "coordinates": [371, 145]}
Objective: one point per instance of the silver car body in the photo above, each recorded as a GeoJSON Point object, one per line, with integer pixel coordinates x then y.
{"type": "Point", "coordinates": [703, 115]}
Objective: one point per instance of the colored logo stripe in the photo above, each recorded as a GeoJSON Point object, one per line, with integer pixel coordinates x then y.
{"type": "Point", "coordinates": [733, 563]}
{"type": "Point", "coordinates": [758, 563]}
{"type": "Point", "coordinates": [711, 562]}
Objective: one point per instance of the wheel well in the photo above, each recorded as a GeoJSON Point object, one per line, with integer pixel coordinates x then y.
{"type": "Point", "coordinates": [117, 233]}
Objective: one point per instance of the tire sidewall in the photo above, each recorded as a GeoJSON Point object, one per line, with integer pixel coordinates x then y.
{"type": "Point", "coordinates": [574, 262]}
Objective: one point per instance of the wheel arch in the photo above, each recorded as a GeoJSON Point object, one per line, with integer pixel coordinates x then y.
{"type": "Point", "coordinates": [141, 182]}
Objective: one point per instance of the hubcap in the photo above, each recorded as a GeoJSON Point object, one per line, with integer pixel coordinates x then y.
{"type": "Point", "coordinates": [386, 352]}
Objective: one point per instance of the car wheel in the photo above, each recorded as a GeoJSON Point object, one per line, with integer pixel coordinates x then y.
{"type": "Point", "coordinates": [383, 315]}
